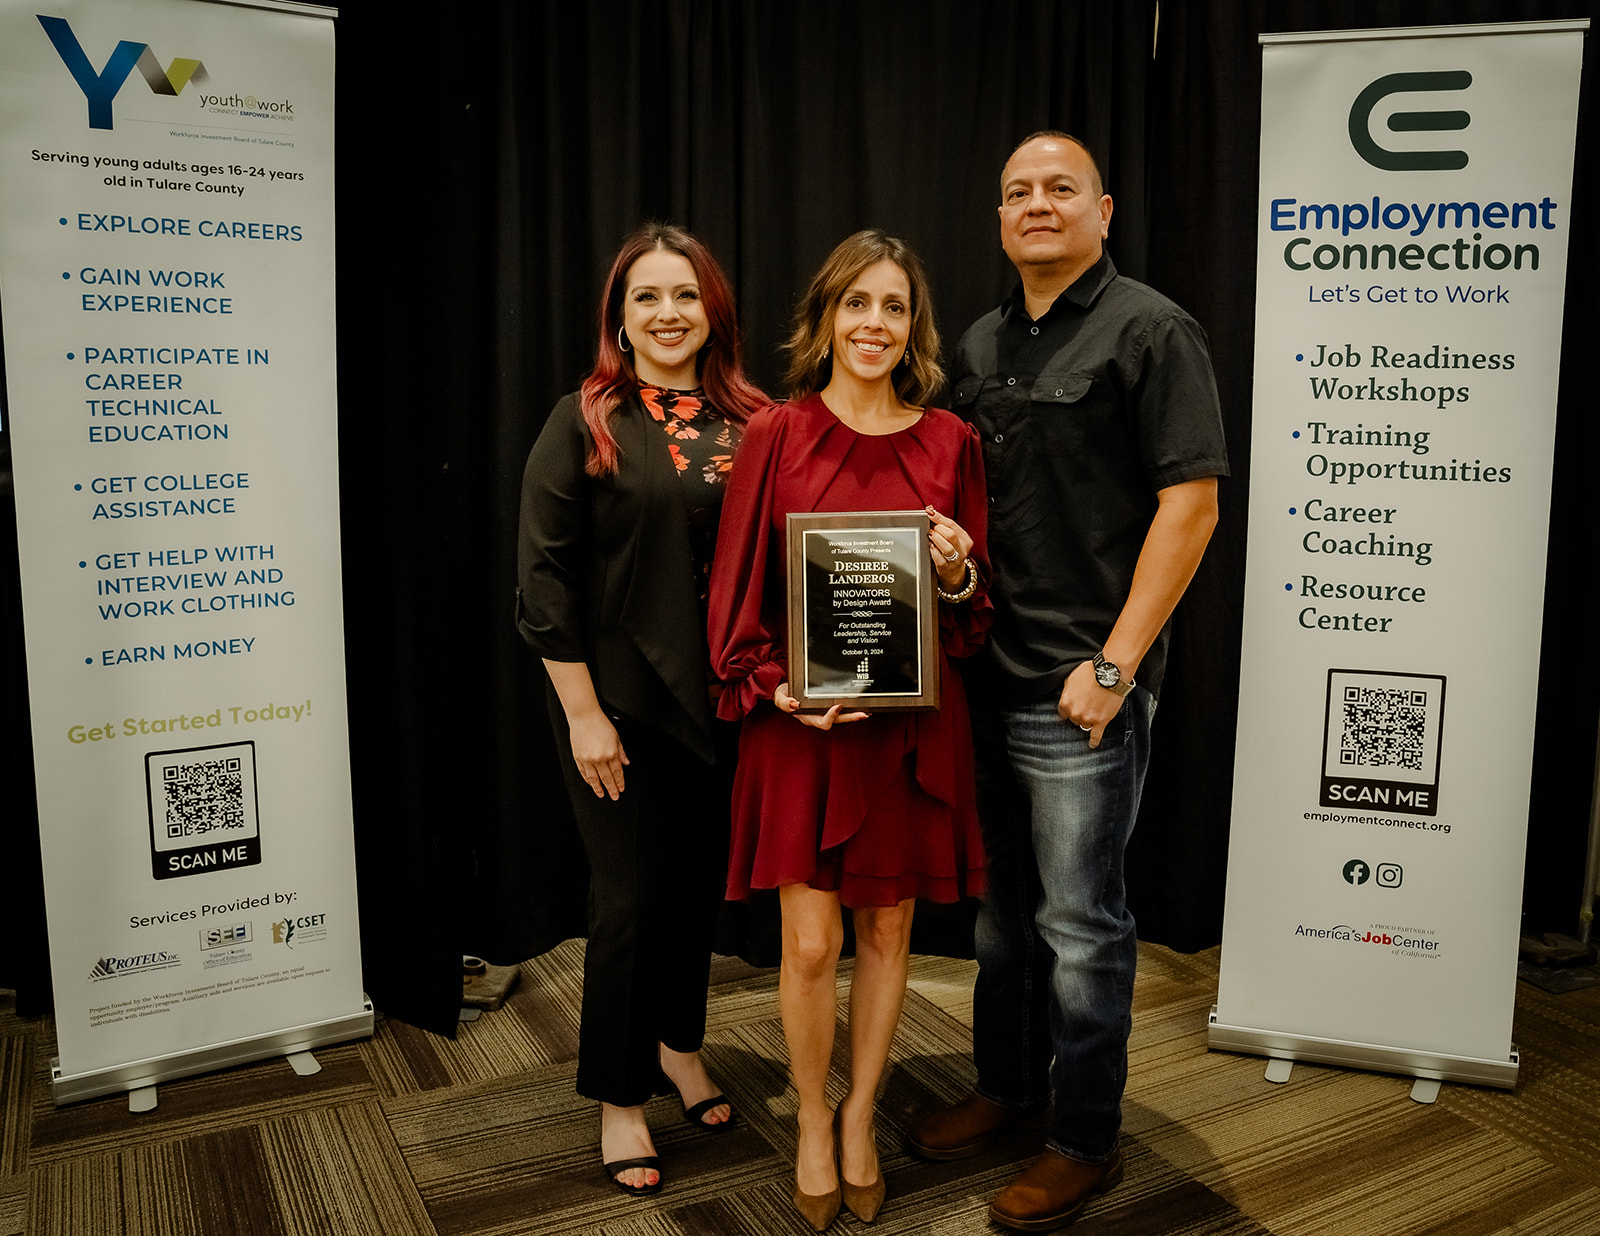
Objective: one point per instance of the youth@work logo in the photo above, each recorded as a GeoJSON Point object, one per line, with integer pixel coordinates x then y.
{"type": "Point", "coordinates": [100, 88]}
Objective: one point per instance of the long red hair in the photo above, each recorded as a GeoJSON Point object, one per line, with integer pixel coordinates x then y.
{"type": "Point", "coordinates": [612, 379]}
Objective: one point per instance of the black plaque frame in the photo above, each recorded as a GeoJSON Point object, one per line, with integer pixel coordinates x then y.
{"type": "Point", "coordinates": [887, 630]}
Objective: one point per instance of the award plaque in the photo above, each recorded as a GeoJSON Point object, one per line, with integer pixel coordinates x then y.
{"type": "Point", "coordinates": [862, 628]}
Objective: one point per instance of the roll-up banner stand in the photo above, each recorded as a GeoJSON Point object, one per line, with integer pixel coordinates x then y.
{"type": "Point", "coordinates": [1415, 206]}
{"type": "Point", "coordinates": [166, 296]}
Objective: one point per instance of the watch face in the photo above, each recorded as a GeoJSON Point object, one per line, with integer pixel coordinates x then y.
{"type": "Point", "coordinates": [1107, 674]}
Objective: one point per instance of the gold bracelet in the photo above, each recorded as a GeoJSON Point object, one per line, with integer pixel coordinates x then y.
{"type": "Point", "coordinates": [955, 598]}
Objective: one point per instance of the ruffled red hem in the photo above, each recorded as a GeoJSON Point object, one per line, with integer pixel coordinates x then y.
{"type": "Point", "coordinates": [796, 786]}
{"type": "Point", "coordinates": [860, 891]}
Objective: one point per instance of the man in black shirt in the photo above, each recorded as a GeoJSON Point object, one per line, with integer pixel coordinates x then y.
{"type": "Point", "coordinates": [1102, 435]}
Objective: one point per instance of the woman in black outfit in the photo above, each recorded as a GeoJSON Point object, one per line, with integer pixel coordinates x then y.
{"type": "Point", "coordinates": [620, 503]}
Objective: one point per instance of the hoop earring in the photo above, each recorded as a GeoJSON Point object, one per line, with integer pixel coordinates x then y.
{"type": "Point", "coordinates": [622, 341]}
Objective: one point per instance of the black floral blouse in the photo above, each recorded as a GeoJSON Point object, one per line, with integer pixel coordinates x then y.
{"type": "Point", "coordinates": [702, 442]}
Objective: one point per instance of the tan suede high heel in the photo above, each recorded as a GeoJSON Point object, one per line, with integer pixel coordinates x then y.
{"type": "Point", "coordinates": [820, 1209]}
{"type": "Point", "coordinates": [863, 1201]}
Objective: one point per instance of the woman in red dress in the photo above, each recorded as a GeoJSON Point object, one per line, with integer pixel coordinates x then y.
{"type": "Point", "coordinates": [833, 809]}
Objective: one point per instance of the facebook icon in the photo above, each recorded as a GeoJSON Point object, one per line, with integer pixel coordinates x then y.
{"type": "Point", "coordinates": [1356, 872]}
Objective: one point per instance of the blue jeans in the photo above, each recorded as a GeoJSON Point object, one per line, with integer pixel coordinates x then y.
{"type": "Point", "coordinates": [1055, 942]}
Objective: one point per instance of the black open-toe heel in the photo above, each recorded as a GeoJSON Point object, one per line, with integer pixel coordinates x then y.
{"type": "Point", "coordinates": [614, 1172]}
{"type": "Point", "coordinates": [695, 1115]}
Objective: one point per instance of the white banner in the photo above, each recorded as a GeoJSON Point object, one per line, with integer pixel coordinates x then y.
{"type": "Point", "coordinates": [1415, 206]}
{"type": "Point", "coordinates": [166, 293]}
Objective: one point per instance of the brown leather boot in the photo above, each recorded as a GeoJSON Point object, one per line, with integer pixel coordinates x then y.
{"type": "Point", "coordinates": [1052, 1191]}
{"type": "Point", "coordinates": [966, 1128]}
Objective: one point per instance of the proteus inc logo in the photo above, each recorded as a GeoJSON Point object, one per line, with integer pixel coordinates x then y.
{"type": "Point", "coordinates": [115, 967]}
{"type": "Point", "coordinates": [1410, 122]}
{"type": "Point", "coordinates": [102, 87]}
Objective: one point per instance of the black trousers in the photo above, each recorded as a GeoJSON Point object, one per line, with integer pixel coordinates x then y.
{"type": "Point", "coordinates": [658, 867]}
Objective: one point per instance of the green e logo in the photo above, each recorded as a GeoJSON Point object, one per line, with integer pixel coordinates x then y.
{"type": "Point", "coordinates": [1410, 122]}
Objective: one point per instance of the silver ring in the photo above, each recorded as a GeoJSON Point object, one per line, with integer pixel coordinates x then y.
{"type": "Point", "coordinates": [1086, 728]}
{"type": "Point", "coordinates": [952, 556]}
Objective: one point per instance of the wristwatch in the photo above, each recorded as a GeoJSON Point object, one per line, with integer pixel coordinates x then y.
{"type": "Point", "coordinates": [1110, 677]}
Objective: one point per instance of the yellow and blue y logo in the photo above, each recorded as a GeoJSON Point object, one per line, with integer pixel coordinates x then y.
{"type": "Point", "coordinates": [100, 88]}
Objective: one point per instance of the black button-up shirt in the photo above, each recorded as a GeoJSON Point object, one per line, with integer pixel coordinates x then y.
{"type": "Point", "coordinates": [1084, 413]}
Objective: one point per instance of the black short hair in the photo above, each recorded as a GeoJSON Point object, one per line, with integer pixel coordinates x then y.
{"type": "Point", "coordinates": [1099, 178]}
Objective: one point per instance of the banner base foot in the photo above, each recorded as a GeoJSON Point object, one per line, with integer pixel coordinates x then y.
{"type": "Point", "coordinates": [142, 1075]}
{"type": "Point", "coordinates": [1424, 1090]}
{"type": "Point", "coordinates": [1278, 1071]}
{"type": "Point", "coordinates": [142, 1099]}
{"type": "Point", "coordinates": [1408, 1062]}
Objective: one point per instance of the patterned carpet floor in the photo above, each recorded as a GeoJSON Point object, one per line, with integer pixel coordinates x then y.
{"type": "Point", "coordinates": [408, 1133]}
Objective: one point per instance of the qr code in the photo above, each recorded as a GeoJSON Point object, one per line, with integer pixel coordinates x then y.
{"type": "Point", "coordinates": [1383, 727]}
{"type": "Point", "coordinates": [203, 797]}
{"type": "Point", "coordinates": [203, 810]}
{"type": "Point", "coordinates": [1381, 748]}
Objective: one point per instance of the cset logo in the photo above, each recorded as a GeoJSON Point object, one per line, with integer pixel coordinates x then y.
{"type": "Point", "coordinates": [102, 87]}
{"type": "Point", "coordinates": [1388, 160]}
{"type": "Point", "coordinates": [292, 931]}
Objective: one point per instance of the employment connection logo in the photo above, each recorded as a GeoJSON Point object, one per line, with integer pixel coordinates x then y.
{"type": "Point", "coordinates": [101, 87]}
{"type": "Point", "coordinates": [1410, 122]}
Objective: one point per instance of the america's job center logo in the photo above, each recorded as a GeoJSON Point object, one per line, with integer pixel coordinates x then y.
{"type": "Point", "coordinates": [1401, 941]}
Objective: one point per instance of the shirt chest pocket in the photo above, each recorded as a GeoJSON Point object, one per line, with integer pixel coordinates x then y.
{"type": "Point", "coordinates": [964, 393]}
{"type": "Point", "coordinates": [1063, 421]}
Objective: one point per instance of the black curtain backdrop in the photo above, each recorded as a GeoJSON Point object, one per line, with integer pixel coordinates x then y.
{"type": "Point", "coordinates": [491, 157]}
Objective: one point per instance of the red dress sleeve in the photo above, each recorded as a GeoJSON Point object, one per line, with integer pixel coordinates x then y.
{"type": "Point", "coordinates": [746, 656]}
{"type": "Point", "coordinates": [965, 625]}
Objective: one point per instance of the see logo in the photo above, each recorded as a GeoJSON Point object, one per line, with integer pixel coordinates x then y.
{"type": "Point", "coordinates": [100, 88]}
{"type": "Point", "coordinates": [1409, 122]}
